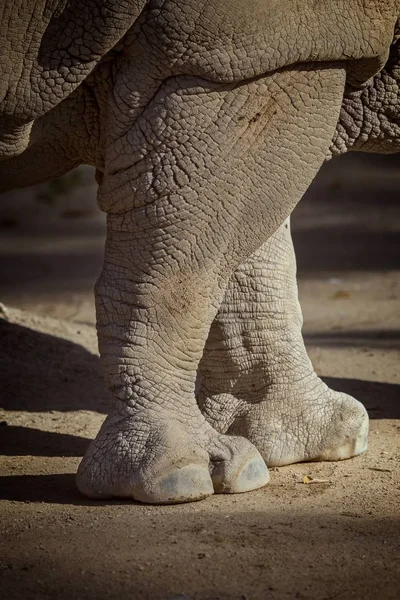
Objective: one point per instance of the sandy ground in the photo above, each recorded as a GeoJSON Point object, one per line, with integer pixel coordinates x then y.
{"type": "Point", "coordinates": [339, 538]}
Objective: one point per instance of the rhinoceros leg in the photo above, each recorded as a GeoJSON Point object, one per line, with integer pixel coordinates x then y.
{"type": "Point", "coordinates": [256, 378]}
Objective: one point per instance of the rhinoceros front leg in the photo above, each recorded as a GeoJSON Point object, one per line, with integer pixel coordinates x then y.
{"type": "Point", "coordinates": [154, 309]}
{"type": "Point", "coordinates": [256, 378]}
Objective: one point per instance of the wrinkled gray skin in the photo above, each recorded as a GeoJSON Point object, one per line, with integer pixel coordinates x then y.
{"type": "Point", "coordinates": [206, 121]}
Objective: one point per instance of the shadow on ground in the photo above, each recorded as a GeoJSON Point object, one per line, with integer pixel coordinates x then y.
{"type": "Point", "coordinates": [40, 372]}
{"type": "Point", "coordinates": [380, 399]}
{"type": "Point", "coordinates": [56, 488]}
{"type": "Point", "coordinates": [52, 489]}
{"type": "Point", "coordinates": [24, 441]}
{"type": "Point", "coordinates": [276, 551]}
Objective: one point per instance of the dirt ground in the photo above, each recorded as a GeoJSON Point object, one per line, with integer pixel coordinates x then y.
{"type": "Point", "coordinates": [336, 539]}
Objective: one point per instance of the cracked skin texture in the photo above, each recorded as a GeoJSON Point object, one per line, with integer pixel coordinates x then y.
{"type": "Point", "coordinates": [206, 122]}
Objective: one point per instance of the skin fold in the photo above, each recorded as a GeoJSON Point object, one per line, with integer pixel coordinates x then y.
{"type": "Point", "coordinates": [206, 122]}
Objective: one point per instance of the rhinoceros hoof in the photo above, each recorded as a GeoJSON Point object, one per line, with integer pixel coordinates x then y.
{"type": "Point", "coordinates": [159, 461]}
